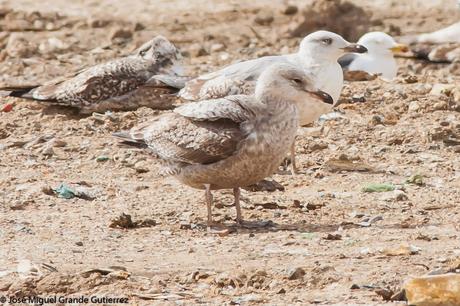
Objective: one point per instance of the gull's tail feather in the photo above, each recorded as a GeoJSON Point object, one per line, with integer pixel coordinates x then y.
{"type": "Point", "coordinates": [25, 92]}
{"type": "Point", "coordinates": [177, 82]}
{"type": "Point", "coordinates": [126, 138]}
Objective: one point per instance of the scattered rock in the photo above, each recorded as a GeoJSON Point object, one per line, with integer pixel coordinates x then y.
{"type": "Point", "coordinates": [312, 206]}
{"type": "Point", "coordinates": [52, 45]}
{"type": "Point", "coordinates": [337, 165]}
{"type": "Point", "coordinates": [434, 290]}
{"type": "Point", "coordinates": [402, 250]}
{"type": "Point", "coordinates": [410, 79]}
{"type": "Point", "coordinates": [121, 35]}
{"type": "Point", "coordinates": [290, 9]}
{"type": "Point", "coordinates": [332, 15]}
{"type": "Point", "coordinates": [217, 47]}
{"type": "Point", "coordinates": [333, 237]}
{"type": "Point", "coordinates": [264, 18]}
{"type": "Point", "coordinates": [358, 76]}
{"type": "Point", "coordinates": [247, 298]}
{"type": "Point", "coordinates": [368, 221]}
{"type": "Point", "coordinates": [358, 99]}
{"type": "Point", "coordinates": [201, 51]}
{"type": "Point", "coordinates": [333, 116]}
{"type": "Point", "coordinates": [269, 205]}
{"type": "Point", "coordinates": [19, 46]}
{"type": "Point", "coordinates": [355, 286]}
{"type": "Point", "coordinates": [141, 166]}
{"type": "Point", "coordinates": [400, 195]}
{"type": "Point", "coordinates": [389, 294]}
{"type": "Point", "coordinates": [265, 185]}
{"type": "Point", "coordinates": [98, 23]}
{"type": "Point", "coordinates": [442, 89]}
{"type": "Point", "coordinates": [26, 268]}
{"type": "Point", "coordinates": [125, 221]}
{"type": "Point", "coordinates": [295, 273]}
{"type": "Point", "coordinates": [413, 107]}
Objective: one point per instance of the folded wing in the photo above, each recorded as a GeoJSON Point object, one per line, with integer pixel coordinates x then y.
{"type": "Point", "coordinates": [197, 133]}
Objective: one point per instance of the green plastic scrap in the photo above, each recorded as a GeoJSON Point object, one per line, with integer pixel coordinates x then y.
{"type": "Point", "coordinates": [102, 158]}
{"type": "Point", "coordinates": [379, 187]}
{"type": "Point", "coordinates": [416, 179]}
{"type": "Point", "coordinates": [64, 191]}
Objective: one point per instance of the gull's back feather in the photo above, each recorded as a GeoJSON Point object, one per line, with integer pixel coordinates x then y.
{"type": "Point", "coordinates": [235, 79]}
{"type": "Point", "coordinates": [197, 133]}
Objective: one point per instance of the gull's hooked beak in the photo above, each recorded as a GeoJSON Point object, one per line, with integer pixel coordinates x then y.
{"type": "Point", "coordinates": [323, 96]}
{"type": "Point", "coordinates": [399, 48]}
{"type": "Point", "coordinates": [354, 48]}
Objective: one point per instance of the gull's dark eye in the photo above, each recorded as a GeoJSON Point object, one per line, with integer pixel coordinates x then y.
{"type": "Point", "coordinates": [144, 51]}
{"type": "Point", "coordinates": [326, 41]}
{"type": "Point", "coordinates": [297, 81]}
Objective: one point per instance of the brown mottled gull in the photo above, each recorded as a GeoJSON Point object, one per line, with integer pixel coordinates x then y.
{"type": "Point", "coordinates": [121, 84]}
{"type": "Point", "coordinates": [234, 141]}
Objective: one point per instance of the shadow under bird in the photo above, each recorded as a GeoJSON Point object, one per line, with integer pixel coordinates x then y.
{"type": "Point", "coordinates": [125, 83]}
{"type": "Point", "coordinates": [234, 141]}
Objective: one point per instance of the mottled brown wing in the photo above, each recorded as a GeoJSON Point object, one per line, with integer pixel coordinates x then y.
{"type": "Point", "coordinates": [238, 78]}
{"type": "Point", "coordinates": [44, 92]}
{"type": "Point", "coordinates": [191, 90]}
{"type": "Point", "coordinates": [237, 108]}
{"type": "Point", "coordinates": [98, 83]}
{"type": "Point", "coordinates": [148, 95]}
{"type": "Point", "coordinates": [178, 139]}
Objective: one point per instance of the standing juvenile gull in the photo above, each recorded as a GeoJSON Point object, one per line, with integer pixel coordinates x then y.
{"type": "Point", "coordinates": [379, 58]}
{"type": "Point", "coordinates": [318, 54]}
{"type": "Point", "coordinates": [121, 84]}
{"type": "Point", "coordinates": [235, 141]}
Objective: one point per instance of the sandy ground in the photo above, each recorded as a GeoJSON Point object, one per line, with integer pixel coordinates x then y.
{"type": "Point", "coordinates": [327, 242]}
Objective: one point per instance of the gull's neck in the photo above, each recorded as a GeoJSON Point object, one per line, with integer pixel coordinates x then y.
{"type": "Point", "coordinates": [379, 56]}
{"type": "Point", "coordinates": [310, 60]}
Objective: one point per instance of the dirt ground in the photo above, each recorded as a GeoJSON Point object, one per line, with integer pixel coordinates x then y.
{"type": "Point", "coordinates": [326, 241]}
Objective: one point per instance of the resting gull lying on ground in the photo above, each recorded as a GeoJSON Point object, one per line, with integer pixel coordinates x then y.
{"type": "Point", "coordinates": [233, 141]}
{"type": "Point", "coordinates": [121, 84]}
{"type": "Point", "coordinates": [379, 58]}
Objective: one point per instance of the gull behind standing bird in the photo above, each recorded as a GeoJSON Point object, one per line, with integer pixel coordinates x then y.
{"type": "Point", "coordinates": [379, 59]}
{"type": "Point", "coordinates": [318, 54]}
{"type": "Point", "coordinates": [234, 141]}
{"type": "Point", "coordinates": [122, 84]}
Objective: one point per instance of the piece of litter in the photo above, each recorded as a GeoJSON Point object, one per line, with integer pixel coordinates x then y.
{"type": "Point", "coordinates": [416, 179]}
{"type": "Point", "coordinates": [102, 158]}
{"type": "Point", "coordinates": [8, 107]}
{"type": "Point", "coordinates": [378, 187]}
{"type": "Point", "coordinates": [64, 191]}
